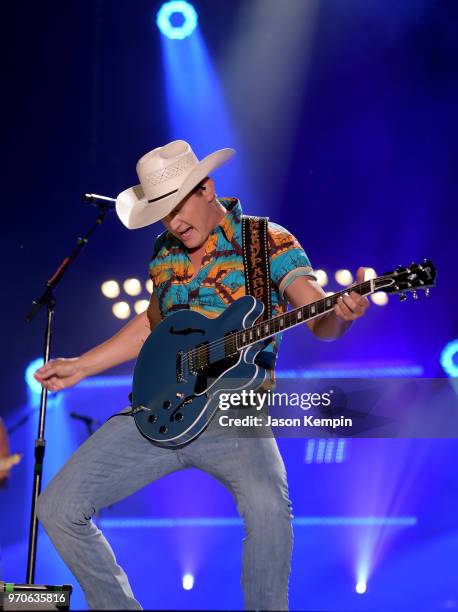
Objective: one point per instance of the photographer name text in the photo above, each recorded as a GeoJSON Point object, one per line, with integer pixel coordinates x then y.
{"type": "Point", "coordinates": [306, 421]}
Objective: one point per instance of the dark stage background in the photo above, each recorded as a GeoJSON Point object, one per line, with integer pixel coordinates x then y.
{"type": "Point", "coordinates": [344, 118]}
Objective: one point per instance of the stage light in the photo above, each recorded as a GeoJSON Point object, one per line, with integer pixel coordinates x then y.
{"type": "Point", "coordinates": [133, 522]}
{"type": "Point", "coordinates": [140, 306]}
{"type": "Point", "coordinates": [177, 19]}
{"type": "Point", "coordinates": [149, 286]}
{"type": "Point", "coordinates": [325, 451]}
{"type": "Point", "coordinates": [449, 358]}
{"type": "Point", "coordinates": [32, 383]}
{"type": "Point", "coordinates": [110, 289]}
{"type": "Point", "coordinates": [321, 277]}
{"type": "Point", "coordinates": [121, 310]}
{"type": "Point", "coordinates": [328, 454]}
{"type": "Point", "coordinates": [340, 451]}
{"type": "Point", "coordinates": [397, 371]}
{"type": "Point", "coordinates": [132, 286]}
{"type": "Point", "coordinates": [344, 277]}
{"type": "Point", "coordinates": [188, 582]}
{"type": "Point", "coordinates": [309, 451]}
{"type": "Point", "coordinates": [380, 298]}
{"type": "Point", "coordinates": [361, 587]}
{"type": "Point", "coordinates": [193, 90]}
{"type": "Point", "coordinates": [369, 274]}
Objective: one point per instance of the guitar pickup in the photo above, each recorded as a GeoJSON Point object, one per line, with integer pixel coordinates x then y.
{"type": "Point", "coordinates": [199, 358]}
{"type": "Point", "coordinates": [230, 344]}
{"type": "Point", "coordinates": [180, 368]}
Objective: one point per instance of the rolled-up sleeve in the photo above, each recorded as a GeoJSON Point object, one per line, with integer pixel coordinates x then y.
{"type": "Point", "coordinates": [288, 260]}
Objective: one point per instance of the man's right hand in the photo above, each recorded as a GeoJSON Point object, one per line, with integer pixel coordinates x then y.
{"type": "Point", "coordinates": [60, 373]}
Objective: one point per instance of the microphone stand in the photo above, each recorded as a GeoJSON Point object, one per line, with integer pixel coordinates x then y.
{"type": "Point", "coordinates": [48, 299]}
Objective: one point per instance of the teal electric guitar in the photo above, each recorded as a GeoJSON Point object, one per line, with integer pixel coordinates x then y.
{"type": "Point", "coordinates": [189, 358]}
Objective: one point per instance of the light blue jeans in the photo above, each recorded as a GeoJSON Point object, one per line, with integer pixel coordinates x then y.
{"type": "Point", "coordinates": [117, 460]}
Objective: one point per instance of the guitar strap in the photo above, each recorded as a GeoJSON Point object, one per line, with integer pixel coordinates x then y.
{"type": "Point", "coordinates": [255, 247]}
{"type": "Point", "coordinates": [256, 263]}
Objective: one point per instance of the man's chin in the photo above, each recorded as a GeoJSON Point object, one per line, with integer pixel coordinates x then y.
{"type": "Point", "coordinates": [194, 244]}
{"type": "Point", "coordinates": [192, 247]}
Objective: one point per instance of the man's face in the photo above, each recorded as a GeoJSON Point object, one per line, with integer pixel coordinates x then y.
{"type": "Point", "coordinates": [190, 221]}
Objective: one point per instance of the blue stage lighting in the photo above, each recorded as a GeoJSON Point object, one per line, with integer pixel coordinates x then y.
{"type": "Point", "coordinates": [188, 582]}
{"type": "Point", "coordinates": [177, 19]}
{"type": "Point", "coordinates": [449, 358]}
{"type": "Point", "coordinates": [340, 451]}
{"type": "Point", "coordinates": [33, 384]}
{"type": "Point", "coordinates": [361, 587]}
{"type": "Point", "coordinates": [325, 451]}
{"type": "Point", "coordinates": [320, 451]}
{"type": "Point", "coordinates": [232, 521]}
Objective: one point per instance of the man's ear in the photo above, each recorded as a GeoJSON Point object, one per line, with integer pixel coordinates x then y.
{"type": "Point", "coordinates": [208, 189]}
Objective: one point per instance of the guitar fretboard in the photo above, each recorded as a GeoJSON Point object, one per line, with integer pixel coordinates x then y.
{"type": "Point", "coordinates": [289, 319]}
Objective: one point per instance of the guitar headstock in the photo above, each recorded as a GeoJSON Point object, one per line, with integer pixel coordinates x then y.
{"type": "Point", "coordinates": [409, 278]}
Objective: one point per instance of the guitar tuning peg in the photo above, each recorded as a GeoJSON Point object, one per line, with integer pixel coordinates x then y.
{"type": "Point", "coordinates": [402, 297]}
{"type": "Point", "coordinates": [415, 296]}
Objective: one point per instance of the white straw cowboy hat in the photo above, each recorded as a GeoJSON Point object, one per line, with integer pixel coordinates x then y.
{"type": "Point", "coordinates": [167, 175]}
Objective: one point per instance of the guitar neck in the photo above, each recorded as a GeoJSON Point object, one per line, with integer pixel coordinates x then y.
{"type": "Point", "coordinates": [297, 316]}
{"type": "Point", "coordinates": [403, 279]}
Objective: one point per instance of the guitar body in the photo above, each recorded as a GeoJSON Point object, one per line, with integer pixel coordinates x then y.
{"type": "Point", "coordinates": [172, 395]}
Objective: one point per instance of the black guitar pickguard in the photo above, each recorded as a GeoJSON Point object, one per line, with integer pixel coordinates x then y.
{"type": "Point", "coordinates": [213, 371]}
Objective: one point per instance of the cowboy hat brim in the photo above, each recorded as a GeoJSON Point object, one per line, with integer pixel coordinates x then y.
{"type": "Point", "coordinates": [135, 211]}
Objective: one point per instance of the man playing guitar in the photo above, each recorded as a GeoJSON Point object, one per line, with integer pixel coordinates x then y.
{"type": "Point", "coordinates": [197, 264]}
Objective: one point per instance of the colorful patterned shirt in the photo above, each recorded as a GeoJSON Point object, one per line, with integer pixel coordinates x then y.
{"type": "Point", "coordinates": [221, 279]}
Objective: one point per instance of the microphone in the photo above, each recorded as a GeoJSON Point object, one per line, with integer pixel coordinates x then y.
{"type": "Point", "coordinates": [99, 200]}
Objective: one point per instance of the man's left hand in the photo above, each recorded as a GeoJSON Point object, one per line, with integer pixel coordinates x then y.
{"type": "Point", "coordinates": [352, 305]}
